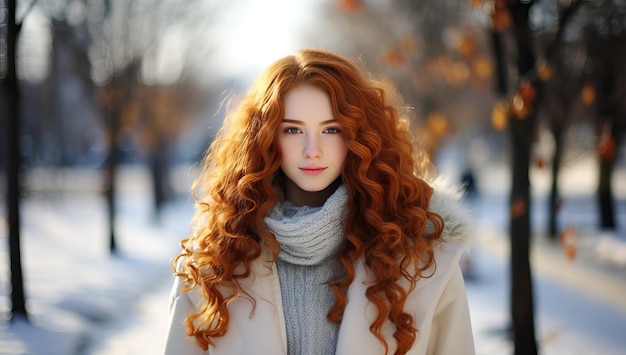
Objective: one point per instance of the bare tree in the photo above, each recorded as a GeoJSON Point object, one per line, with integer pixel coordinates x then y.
{"type": "Point", "coordinates": [607, 51]}
{"type": "Point", "coordinates": [511, 21]}
{"type": "Point", "coordinates": [563, 80]}
{"type": "Point", "coordinates": [586, 70]}
{"type": "Point", "coordinates": [11, 90]}
{"type": "Point", "coordinates": [126, 33]}
{"type": "Point", "coordinates": [522, 131]}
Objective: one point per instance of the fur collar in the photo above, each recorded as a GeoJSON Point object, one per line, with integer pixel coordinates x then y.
{"type": "Point", "coordinates": [446, 202]}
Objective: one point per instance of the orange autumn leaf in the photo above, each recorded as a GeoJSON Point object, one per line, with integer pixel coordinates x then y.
{"type": "Point", "coordinates": [588, 94]}
{"type": "Point", "coordinates": [499, 4]}
{"type": "Point", "coordinates": [521, 102]}
{"type": "Point", "coordinates": [394, 57]}
{"type": "Point", "coordinates": [606, 147]}
{"type": "Point", "coordinates": [500, 116]}
{"type": "Point", "coordinates": [500, 19]}
{"type": "Point", "coordinates": [437, 123]}
{"type": "Point", "coordinates": [518, 208]}
{"type": "Point", "coordinates": [527, 91]}
{"type": "Point", "coordinates": [351, 5]}
{"type": "Point", "coordinates": [570, 252]}
{"type": "Point", "coordinates": [466, 47]}
{"type": "Point", "coordinates": [568, 240]}
{"type": "Point", "coordinates": [482, 67]}
{"type": "Point", "coordinates": [540, 163]}
{"type": "Point", "coordinates": [544, 71]}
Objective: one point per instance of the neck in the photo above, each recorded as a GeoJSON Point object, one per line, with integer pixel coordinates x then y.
{"type": "Point", "coordinates": [299, 197]}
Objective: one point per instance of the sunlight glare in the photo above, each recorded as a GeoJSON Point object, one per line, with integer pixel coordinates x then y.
{"type": "Point", "coordinates": [253, 34]}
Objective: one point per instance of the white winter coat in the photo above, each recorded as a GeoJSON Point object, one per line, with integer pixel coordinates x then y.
{"type": "Point", "coordinates": [438, 304]}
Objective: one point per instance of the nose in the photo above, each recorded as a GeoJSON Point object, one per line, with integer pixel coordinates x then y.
{"type": "Point", "coordinates": [312, 149]}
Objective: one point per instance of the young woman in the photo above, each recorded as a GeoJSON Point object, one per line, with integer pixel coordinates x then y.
{"type": "Point", "coordinates": [316, 231]}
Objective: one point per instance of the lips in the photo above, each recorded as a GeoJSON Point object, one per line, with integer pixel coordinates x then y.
{"type": "Point", "coordinates": [312, 170]}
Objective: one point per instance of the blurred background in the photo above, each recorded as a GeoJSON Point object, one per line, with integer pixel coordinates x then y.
{"type": "Point", "coordinates": [107, 106]}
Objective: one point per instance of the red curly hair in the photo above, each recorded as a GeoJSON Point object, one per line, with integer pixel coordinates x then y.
{"type": "Point", "coordinates": [387, 204]}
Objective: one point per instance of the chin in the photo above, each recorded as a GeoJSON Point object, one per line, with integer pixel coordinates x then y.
{"type": "Point", "coordinates": [314, 189]}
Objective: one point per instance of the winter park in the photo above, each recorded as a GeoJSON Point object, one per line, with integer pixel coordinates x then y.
{"type": "Point", "coordinates": [107, 108]}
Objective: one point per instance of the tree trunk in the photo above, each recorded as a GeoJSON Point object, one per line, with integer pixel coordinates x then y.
{"type": "Point", "coordinates": [553, 228]}
{"type": "Point", "coordinates": [522, 134]}
{"type": "Point", "coordinates": [608, 131]}
{"type": "Point", "coordinates": [159, 167]}
{"type": "Point", "coordinates": [522, 305]}
{"type": "Point", "coordinates": [112, 163]}
{"type": "Point", "coordinates": [605, 192]}
{"type": "Point", "coordinates": [117, 93]}
{"type": "Point", "coordinates": [12, 89]}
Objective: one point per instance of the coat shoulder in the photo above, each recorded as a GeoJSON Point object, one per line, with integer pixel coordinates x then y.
{"type": "Point", "coordinates": [446, 201]}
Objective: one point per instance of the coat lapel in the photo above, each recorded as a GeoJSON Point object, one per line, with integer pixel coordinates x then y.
{"type": "Point", "coordinates": [354, 334]}
{"type": "Point", "coordinates": [265, 324]}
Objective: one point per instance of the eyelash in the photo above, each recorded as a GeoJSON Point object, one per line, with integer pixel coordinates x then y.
{"type": "Point", "coordinates": [335, 129]}
{"type": "Point", "coordinates": [329, 130]}
{"type": "Point", "coordinates": [291, 130]}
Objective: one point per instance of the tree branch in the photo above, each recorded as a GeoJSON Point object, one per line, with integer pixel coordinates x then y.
{"type": "Point", "coordinates": [565, 16]}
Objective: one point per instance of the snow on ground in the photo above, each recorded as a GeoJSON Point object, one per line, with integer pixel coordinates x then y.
{"type": "Point", "coordinates": [566, 321]}
{"type": "Point", "coordinates": [73, 285]}
{"type": "Point", "coordinates": [579, 309]}
{"type": "Point", "coordinates": [579, 304]}
{"type": "Point", "coordinates": [83, 301]}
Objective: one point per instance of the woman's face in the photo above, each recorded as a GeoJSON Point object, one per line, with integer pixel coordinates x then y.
{"type": "Point", "coordinates": [312, 148]}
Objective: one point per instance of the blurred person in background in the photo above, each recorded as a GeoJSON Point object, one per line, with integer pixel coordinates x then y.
{"type": "Point", "coordinates": [317, 230]}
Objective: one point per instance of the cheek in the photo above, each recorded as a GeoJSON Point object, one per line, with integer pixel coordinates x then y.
{"type": "Point", "coordinates": [285, 151]}
{"type": "Point", "coordinates": [280, 145]}
{"type": "Point", "coordinates": [342, 149]}
{"type": "Point", "coordinates": [339, 153]}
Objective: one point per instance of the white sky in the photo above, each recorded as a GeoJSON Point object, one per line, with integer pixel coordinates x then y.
{"type": "Point", "coordinates": [252, 34]}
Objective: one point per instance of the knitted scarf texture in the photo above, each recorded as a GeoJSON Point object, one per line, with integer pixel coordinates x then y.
{"type": "Point", "coordinates": [309, 238]}
{"type": "Point", "coordinates": [308, 235]}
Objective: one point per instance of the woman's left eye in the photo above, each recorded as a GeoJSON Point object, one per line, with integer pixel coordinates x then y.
{"type": "Point", "coordinates": [332, 130]}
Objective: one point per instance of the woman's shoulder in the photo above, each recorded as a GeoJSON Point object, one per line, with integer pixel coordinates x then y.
{"type": "Point", "coordinates": [446, 202]}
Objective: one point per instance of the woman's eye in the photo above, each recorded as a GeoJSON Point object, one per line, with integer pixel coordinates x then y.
{"type": "Point", "coordinates": [292, 130]}
{"type": "Point", "coordinates": [332, 130]}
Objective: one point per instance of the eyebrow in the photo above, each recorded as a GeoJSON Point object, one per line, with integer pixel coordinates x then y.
{"type": "Point", "coordinates": [287, 120]}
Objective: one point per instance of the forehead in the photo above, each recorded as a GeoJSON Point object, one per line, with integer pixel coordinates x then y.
{"type": "Point", "coordinates": [307, 101]}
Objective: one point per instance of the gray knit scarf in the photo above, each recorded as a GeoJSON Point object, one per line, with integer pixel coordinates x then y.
{"type": "Point", "coordinates": [309, 238]}
{"type": "Point", "coordinates": [308, 235]}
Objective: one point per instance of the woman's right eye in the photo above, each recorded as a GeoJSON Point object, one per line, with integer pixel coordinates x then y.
{"type": "Point", "coordinates": [291, 130]}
